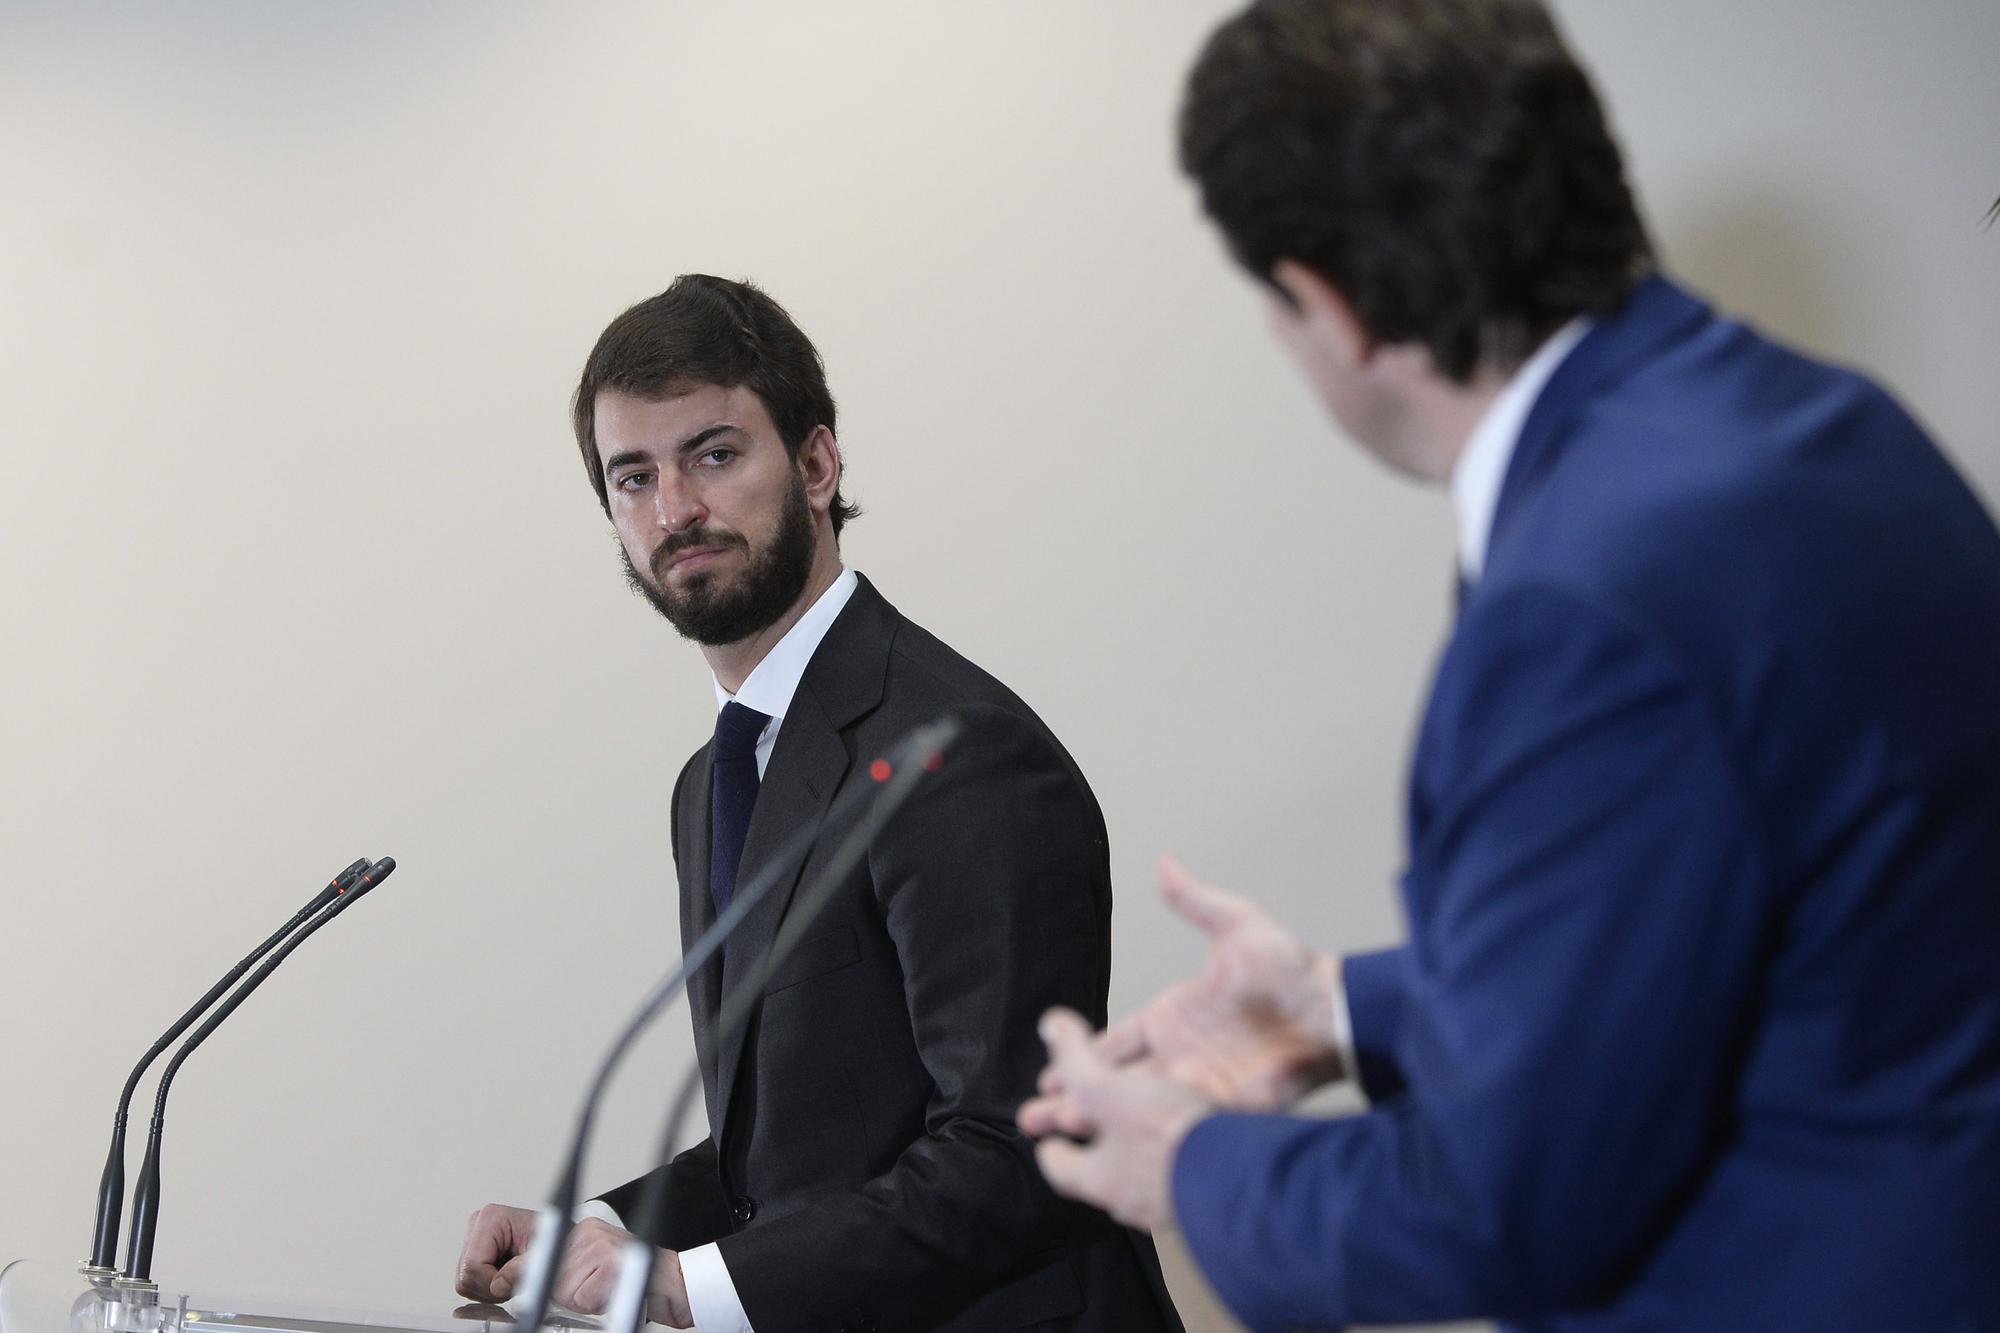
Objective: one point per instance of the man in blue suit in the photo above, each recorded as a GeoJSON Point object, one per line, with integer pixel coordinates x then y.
{"type": "Point", "coordinates": [1698, 1025]}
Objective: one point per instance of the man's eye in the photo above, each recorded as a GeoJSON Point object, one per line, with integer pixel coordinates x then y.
{"type": "Point", "coordinates": [632, 481]}
{"type": "Point", "coordinates": [716, 457]}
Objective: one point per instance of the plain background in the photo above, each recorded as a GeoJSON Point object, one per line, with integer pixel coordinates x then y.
{"type": "Point", "coordinates": [300, 561]}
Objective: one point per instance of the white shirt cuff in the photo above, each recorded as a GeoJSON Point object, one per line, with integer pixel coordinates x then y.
{"type": "Point", "coordinates": [711, 1295]}
{"type": "Point", "coordinates": [597, 1210]}
{"type": "Point", "coordinates": [1343, 1038]}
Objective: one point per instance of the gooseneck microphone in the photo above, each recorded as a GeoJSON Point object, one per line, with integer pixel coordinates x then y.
{"type": "Point", "coordinates": [111, 1188]}
{"type": "Point", "coordinates": [917, 753]}
{"type": "Point", "coordinates": [146, 1197]}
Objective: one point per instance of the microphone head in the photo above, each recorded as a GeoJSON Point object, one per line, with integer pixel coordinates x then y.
{"type": "Point", "coordinates": [374, 875]}
{"type": "Point", "coordinates": [338, 885]}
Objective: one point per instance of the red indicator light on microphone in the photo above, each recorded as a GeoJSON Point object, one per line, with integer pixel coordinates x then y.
{"type": "Point", "coordinates": [933, 762]}
{"type": "Point", "coordinates": [880, 770]}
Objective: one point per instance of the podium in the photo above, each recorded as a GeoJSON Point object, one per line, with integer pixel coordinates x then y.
{"type": "Point", "coordinates": [39, 1297]}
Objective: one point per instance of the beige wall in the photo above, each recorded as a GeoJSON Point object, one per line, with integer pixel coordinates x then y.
{"type": "Point", "coordinates": [299, 562]}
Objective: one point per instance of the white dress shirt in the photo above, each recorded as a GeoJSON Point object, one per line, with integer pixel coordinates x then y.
{"type": "Point", "coordinates": [1475, 484]}
{"type": "Point", "coordinates": [769, 689]}
{"type": "Point", "coordinates": [772, 682]}
{"type": "Point", "coordinates": [1482, 464]}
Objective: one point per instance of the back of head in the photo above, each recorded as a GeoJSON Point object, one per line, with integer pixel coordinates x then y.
{"type": "Point", "coordinates": [1445, 164]}
{"type": "Point", "coordinates": [706, 330]}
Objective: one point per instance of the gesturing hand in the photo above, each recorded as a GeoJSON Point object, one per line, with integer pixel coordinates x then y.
{"type": "Point", "coordinates": [1132, 1118]}
{"type": "Point", "coordinates": [1254, 1029]}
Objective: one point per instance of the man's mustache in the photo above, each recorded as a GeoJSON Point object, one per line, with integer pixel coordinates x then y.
{"type": "Point", "coordinates": [688, 538]}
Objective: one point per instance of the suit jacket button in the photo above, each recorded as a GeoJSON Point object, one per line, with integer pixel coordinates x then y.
{"type": "Point", "coordinates": [743, 1209]}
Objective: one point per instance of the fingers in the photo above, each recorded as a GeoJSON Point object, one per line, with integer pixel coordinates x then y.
{"type": "Point", "coordinates": [1067, 1036]}
{"type": "Point", "coordinates": [1073, 1058]}
{"type": "Point", "coordinates": [585, 1284]}
{"type": "Point", "coordinates": [475, 1282]}
{"type": "Point", "coordinates": [1125, 1041]}
{"type": "Point", "coordinates": [1133, 1117]}
{"type": "Point", "coordinates": [507, 1280]}
{"type": "Point", "coordinates": [1120, 1044]}
{"type": "Point", "coordinates": [1210, 909]}
{"type": "Point", "coordinates": [475, 1262]}
{"type": "Point", "coordinates": [493, 1235]}
{"type": "Point", "coordinates": [1056, 1110]}
{"type": "Point", "coordinates": [1070, 1170]}
{"type": "Point", "coordinates": [589, 1266]}
{"type": "Point", "coordinates": [1044, 1116]}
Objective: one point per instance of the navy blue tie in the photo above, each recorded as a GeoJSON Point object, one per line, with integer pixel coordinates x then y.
{"type": "Point", "coordinates": [732, 795]}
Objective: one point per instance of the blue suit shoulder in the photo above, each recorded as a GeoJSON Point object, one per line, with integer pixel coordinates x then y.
{"type": "Point", "coordinates": [1786, 533]}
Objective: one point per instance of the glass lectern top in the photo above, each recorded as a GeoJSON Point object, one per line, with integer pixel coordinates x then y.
{"type": "Point", "coordinates": [38, 1297]}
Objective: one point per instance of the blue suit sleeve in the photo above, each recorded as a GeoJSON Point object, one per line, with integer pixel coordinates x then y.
{"type": "Point", "coordinates": [1587, 914]}
{"type": "Point", "coordinates": [1374, 983]}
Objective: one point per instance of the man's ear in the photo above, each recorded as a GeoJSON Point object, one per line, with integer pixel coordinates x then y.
{"type": "Point", "coordinates": [819, 464]}
{"type": "Point", "coordinates": [1323, 314]}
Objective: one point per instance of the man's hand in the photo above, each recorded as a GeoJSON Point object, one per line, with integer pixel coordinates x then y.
{"type": "Point", "coordinates": [495, 1240]}
{"type": "Point", "coordinates": [496, 1245]}
{"type": "Point", "coordinates": [589, 1270]}
{"type": "Point", "coordinates": [1133, 1118]}
{"type": "Point", "coordinates": [1254, 1029]}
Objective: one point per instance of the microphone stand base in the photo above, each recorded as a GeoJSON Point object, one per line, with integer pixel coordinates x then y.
{"type": "Point", "coordinates": [134, 1306]}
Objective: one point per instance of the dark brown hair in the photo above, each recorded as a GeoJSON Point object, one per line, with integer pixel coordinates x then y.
{"type": "Point", "coordinates": [1444, 164]}
{"type": "Point", "coordinates": [708, 330]}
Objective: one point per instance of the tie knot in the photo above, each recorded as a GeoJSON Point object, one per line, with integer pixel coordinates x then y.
{"type": "Point", "coordinates": [736, 731]}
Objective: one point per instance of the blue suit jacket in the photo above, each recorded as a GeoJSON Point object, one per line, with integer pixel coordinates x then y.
{"type": "Point", "coordinates": [1698, 1026]}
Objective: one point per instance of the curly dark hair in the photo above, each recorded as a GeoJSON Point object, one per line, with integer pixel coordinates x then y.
{"type": "Point", "coordinates": [1444, 164]}
{"type": "Point", "coordinates": [708, 330]}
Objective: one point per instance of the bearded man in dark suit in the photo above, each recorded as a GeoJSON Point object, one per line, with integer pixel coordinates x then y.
{"type": "Point", "coordinates": [863, 1169]}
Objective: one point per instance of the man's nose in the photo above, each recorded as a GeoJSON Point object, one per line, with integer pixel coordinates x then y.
{"type": "Point", "coordinates": [676, 505]}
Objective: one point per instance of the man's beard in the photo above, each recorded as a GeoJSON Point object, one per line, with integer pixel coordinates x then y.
{"type": "Point", "coordinates": [712, 613]}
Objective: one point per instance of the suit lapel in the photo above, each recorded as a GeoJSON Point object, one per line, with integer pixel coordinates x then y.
{"type": "Point", "coordinates": [842, 683]}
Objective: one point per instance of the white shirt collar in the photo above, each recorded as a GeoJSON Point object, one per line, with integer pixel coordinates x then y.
{"type": "Point", "coordinates": [1482, 465]}
{"type": "Point", "coordinates": [772, 682]}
